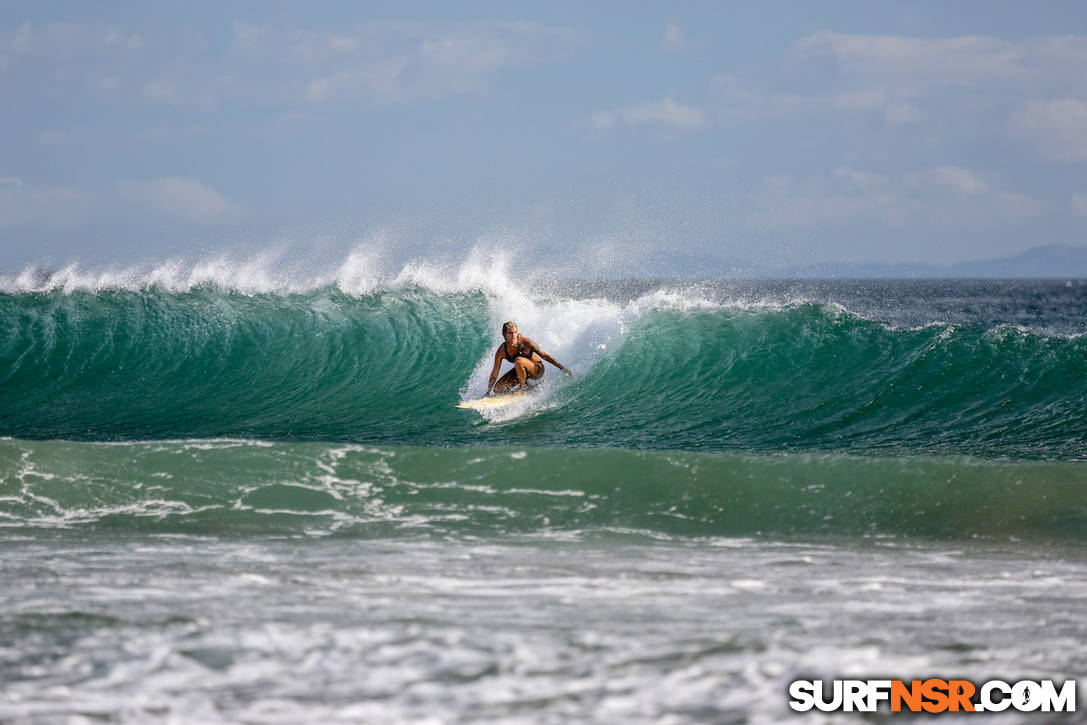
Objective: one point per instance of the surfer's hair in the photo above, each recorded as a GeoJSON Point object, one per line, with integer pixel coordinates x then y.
{"type": "Point", "coordinates": [507, 326]}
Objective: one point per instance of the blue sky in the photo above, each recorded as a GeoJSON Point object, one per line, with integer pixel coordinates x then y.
{"type": "Point", "coordinates": [604, 136]}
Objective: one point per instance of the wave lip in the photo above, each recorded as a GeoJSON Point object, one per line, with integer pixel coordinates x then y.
{"type": "Point", "coordinates": [242, 487]}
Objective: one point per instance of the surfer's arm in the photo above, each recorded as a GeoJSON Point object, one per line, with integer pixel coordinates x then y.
{"type": "Point", "coordinates": [545, 356]}
{"type": "Point", "coordinates": [554, 362]}
{"type": "Point", "coordinates": [494, 372]}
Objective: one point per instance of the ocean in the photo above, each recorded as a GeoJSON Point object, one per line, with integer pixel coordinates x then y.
{"type": "Point", "coordinates": [236, 497]}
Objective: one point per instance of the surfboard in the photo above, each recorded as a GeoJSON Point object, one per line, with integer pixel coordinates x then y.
{"type": "Point", "coordinates": [493, 402]}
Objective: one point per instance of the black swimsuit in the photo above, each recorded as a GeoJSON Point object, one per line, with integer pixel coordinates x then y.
{"type": "Point", "coordinates": [521, 353]}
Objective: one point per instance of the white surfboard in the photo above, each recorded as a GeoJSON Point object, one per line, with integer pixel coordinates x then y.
{"type": "Point", "coordinates": [494, 402]}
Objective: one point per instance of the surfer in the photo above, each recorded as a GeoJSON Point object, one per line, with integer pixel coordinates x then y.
{"type": "Point", "coordinates": [527, 359]}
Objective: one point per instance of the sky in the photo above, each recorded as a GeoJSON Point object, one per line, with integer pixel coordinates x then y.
{"type": "Point", "coordinates": [607, 137]}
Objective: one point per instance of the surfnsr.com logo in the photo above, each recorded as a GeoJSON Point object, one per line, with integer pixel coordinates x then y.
{"type": "Point", "coordinates": [933, 695]}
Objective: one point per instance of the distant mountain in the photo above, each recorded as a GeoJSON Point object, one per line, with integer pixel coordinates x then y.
{"type": "Point", "coordinates": [1053, 261]}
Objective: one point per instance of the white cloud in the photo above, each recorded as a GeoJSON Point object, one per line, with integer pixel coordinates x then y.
{"type": "Point", "coordinates": [900, 114]}
{"type": "Point", "coordinates": [163, 92]}
{"type": "Point", "coordinates": [894, 113]}
{"type": "Point", "coordinates": [463, 58]}
{"type": "Point", "coordinates": [177, 197]}
{"type": "Point", "coordinates": [135, 41]}
{"type": "Point", "coordinates": [734, 99]}
{"type": "Point", "coordinates": [676, 39]}
{"type": "Point", "coordinates": [674, 36]}
{"type": "Point", "coordinates": [20, 39]}
{"type": "Point", "coordinates": [470, 51]}
{"type": "Point", "coordinates": [104, 83]}
{"type": "Point", "coordinates": [1019, 205]}
{"type": "Point", "coordinates": [388, 62]}
{"type": "Point", "coordinates": [959, 181]}
{"type": "Point", "coordinates": [62, 42]}
{"type": "Point", "coordinates": [904, 80]}
{"type": "Point", "coordinates": [170, 198]}
{"type": "Point", "coordinates": [666, 113]}
{"type": "Point", "coordinates": [376, 62]}
{"type": "Point", "coordinates": [309, 47]}
{"type": "Point", "coordinates": [1059, 127]}
{"type": "Point", "coordinates": [861, 179]}
{"type": "Point", "coordinates": [1079, 203]}
{"type": "Point", "coordinates": [181, 93]}
{"type": "Point", "coordinates": [860, 100]}
{"type": "Point", "coordinates": [962, 60]}
{"type": "Point", "coordinates": [380, 81]}
{"type": "Point", "coordinates": [321, 89]}
{"type": "Point", "coordinates": [110, 62]}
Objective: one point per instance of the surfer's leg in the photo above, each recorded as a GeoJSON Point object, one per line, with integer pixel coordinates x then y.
{"type": "Point", "coordinates": [524, 369]}
{"type": "Point", "coordinates": [507, 382]}
{"type": "Point", "coordinates": [527, 369]}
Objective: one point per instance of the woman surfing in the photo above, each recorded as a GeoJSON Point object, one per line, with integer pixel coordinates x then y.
{"type": "Point", "coordinates": [527, 359]}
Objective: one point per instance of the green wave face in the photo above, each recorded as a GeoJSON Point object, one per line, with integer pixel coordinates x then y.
{"type": "Point", "coordinates": [127, 364]}
{"type": "Point", "coordinates": [321, 489]}
{"type": "Point", "coordinates": [651, 373]}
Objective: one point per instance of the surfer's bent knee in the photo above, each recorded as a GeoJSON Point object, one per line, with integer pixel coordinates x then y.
{"type": "Point", "coordinates": [533, 369]}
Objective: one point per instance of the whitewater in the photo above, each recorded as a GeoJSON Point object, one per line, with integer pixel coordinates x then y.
{"type": "Point", "coordinates": [234, 491]}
